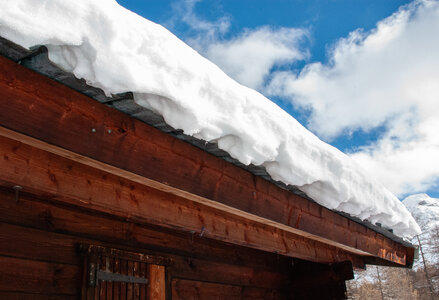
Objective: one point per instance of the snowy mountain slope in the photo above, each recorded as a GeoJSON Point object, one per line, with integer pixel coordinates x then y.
{"type": "Point", "coordinates": [119, 51]}
{"type": "Point", "coordinates": [425, 210]}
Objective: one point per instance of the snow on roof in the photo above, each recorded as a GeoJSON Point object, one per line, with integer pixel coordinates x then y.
{"type": "Point", "coordinates": [119, 51]}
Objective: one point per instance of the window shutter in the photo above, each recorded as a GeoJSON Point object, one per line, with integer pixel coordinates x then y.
{"type": "Point", "coordinates": [116, 274]}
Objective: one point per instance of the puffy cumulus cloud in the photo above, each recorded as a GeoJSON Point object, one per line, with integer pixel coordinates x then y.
{"type": "Point", "coordinates": [371, 76]}
{"type": "Point", "coordinates": [249, 57]}
{"type": "Point", "coordinates": [201, 32]}
{"type": "Point", "coordinates": [405, 166]}
{"type": "Point", "coordinates": [390, 77]}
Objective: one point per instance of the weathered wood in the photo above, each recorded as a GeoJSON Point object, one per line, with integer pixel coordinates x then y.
{"type": "Point", "coordinates": [31, 212]}
{"type": "Point", "coordinates": [97, 250]}
{"type": "Point", "coordinates": [143, 273]}
{"type": "Point", "coordinates": [35, 244]}
{"type": "Point", "coordinates": [28, 243]}
{"type": "Point", "coordinates": [198, 270]}
{"type": "Point", "coordinates": [44, 173]}
{"type": "Point", "coordinates": [157, 283]}
{"type": "Point", "coordinates": [28, 296]}
{"type": "Point", "coordinates": [161, 187]}
{"type": "Point", "coordinates": [45, 245]}
{"type": "Point", "coordinates": [22, 275]}
{"type": "Point", "coordinates": [60, 116]}
{"type": "Point", "coordinates": [186, 289]}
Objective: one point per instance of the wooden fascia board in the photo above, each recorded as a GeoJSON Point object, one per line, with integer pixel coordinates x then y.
{"type": "Point", "coordinates": [48, 171]}
{"type": "Point", "coordinates": [39, 107]}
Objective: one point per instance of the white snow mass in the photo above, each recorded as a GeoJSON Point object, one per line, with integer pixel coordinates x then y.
{"type": "Point", "coordinates": [119, 51]}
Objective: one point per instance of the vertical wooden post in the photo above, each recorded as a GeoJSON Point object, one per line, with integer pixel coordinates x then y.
{"type": "Point", "coordinates": [157, 283]}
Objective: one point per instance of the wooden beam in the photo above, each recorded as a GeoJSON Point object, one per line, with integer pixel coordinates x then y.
{"type": "Point", "coordinates": [61, 249]}
{"type": "Point", "coordinates": [43, 173]}
{"type": "Point", "coordinates": [38, 277]}
{"type": "Point", "coordinates": [30, 296]}
{"type": "Point", "coordinates": [74, 225]}
{"type": "Point", "coordinates": [188, 289]}
{"type": "Point", "coordinates": [32, 104]}
{"type": "Point", "coordinates": [163, 187]}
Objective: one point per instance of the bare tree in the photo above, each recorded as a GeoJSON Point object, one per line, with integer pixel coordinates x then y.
{"type": "Point", "coordinates": [398, 284]}
{"type": "Point", "coordinates": [380, 283]}
{"type": "Point", "coordinates": [427, 276]}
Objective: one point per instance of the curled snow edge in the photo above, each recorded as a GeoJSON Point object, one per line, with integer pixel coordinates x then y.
{"type": "Point", "coordinates": [118, 51]}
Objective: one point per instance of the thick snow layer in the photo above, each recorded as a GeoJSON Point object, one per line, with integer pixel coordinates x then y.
{"type": "Point", "coordinates": [425, 210]}
{"type": "Point", "coordinates": [118, 51]}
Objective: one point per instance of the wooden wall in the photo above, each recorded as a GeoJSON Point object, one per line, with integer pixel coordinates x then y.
{"type": "Point", "coordinates": [38, 107]}
{"type": "Point", "coordinates": [66, 202]}
{"type": "Point", "coordinates": [39, 256]}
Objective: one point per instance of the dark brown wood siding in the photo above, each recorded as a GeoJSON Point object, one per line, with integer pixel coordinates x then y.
{"type": "Point", "coordinates": [139, 190]}
{"type": "Point", "coordinates": [39, 254]}
{"type": "Point", "coordinates": [36, 106]}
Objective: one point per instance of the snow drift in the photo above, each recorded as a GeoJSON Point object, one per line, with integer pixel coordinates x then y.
{"type": "Point", "coordinates": [118, 51]}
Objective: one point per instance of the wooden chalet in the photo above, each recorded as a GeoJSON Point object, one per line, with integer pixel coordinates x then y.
{"type": "Point", "coordinates": [100, 199]}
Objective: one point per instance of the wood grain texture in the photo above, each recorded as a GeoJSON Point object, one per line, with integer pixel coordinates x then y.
{"type": "Point", "coordinates": [30, 296]}
{"type": "Point", "coordinates": [57, 218]}
{"type": "Point", "coordinates": [61, 248]}
{"type": "Point", "coordinates": [23, 275]}
{"type": "Point", "coordinates": [196, 290]}
{"type": "Point", "coordinates": [157, 283]}
{"type": "Point", "coordinates": [57, 115]}
{"type": "Point", "coordinates": [41, 172]}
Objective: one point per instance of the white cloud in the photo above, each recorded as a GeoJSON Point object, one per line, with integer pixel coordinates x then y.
{"type": "Point", "coordinates": [202, 32]}
{"type": "Point", "coordinates": [389, 76]}
{"type": "Point", "coordinates": [249, 57]}
{"type": "Point", "coordinates": [405, 166]}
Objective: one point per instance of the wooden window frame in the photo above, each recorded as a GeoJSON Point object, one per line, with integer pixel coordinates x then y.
{"type": "Point", "coordinates": [143, 276]}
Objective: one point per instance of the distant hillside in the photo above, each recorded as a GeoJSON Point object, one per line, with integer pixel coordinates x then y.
{"type": "Point", "coordinates": [396, 283]}
{"type": "Point", "coordinates": [425, 210]}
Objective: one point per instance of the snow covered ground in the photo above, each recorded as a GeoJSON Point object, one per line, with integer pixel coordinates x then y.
{"type": "Point", "coordinates": [119, 51]}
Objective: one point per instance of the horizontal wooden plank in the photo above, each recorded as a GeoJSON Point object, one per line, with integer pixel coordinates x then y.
{"type": "Point", "coordinates": [41, 172]}
{"type": "Point", "coordinates": [27, 296]}
{"type": "Point", "coordinates": [29, 243]}
{"type": "Point", "coordinates": [22, 275]}
{"type": "Point", "coordinates": [222, 273]}
{"type": "Point", "coordinates": [60, 116]}
{"type": "Point", "coordinates": [186, 289]}
{"type": "Point", "coordinates": [71, 224]}
{"type": "Point", "coordinates": [161, 187]}
{"type": "Point", "coordinates": [23, 242]}
{"type": "Point", "coordinates": [165, 188]}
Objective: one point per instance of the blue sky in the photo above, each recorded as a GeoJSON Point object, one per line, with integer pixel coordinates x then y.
{"type": "Point", "coordinates": [327, 19]}
{"type": "Point", "coordinates": [362, 75]}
